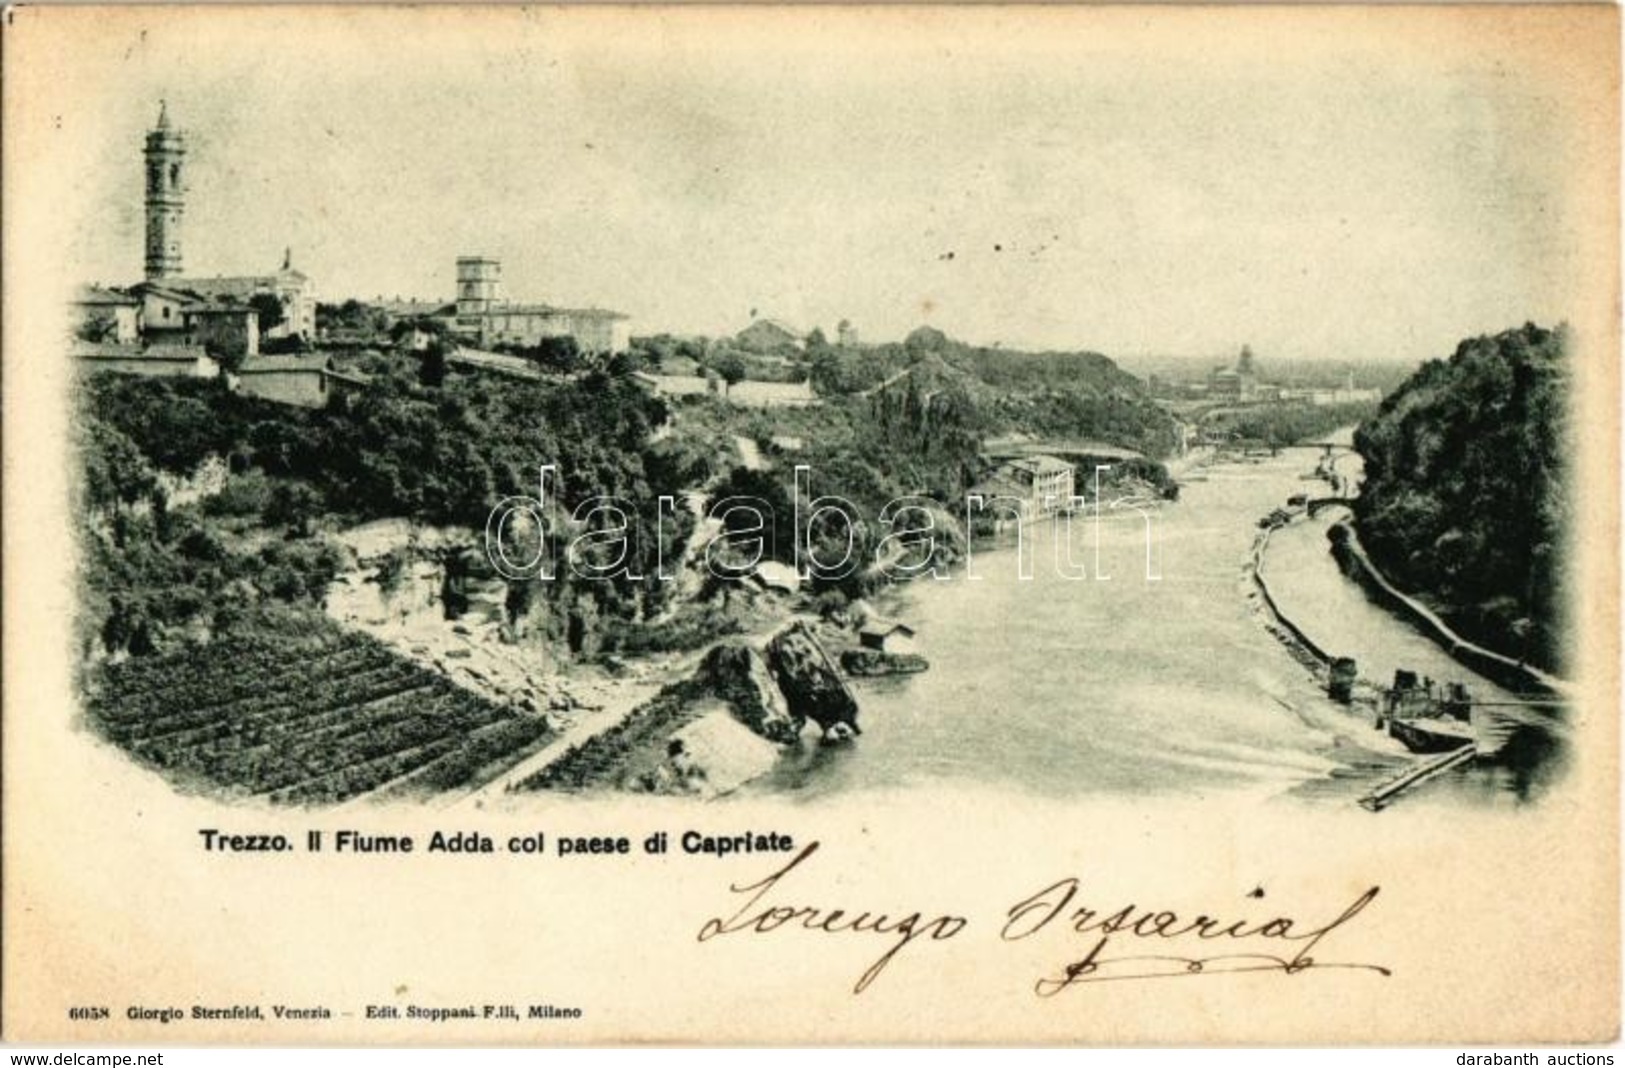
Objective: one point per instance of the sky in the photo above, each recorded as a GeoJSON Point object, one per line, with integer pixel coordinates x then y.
{"type": "Point", "coordinates": [1114, 184]}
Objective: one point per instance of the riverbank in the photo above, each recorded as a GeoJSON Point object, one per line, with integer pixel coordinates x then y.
{"type": "Point", "coordinates": [1312, 605]}
{"type": "Point", "coordinates": [1040, 680]}
{"type": "Point", "coordinates": [1504, 670]}
{"type": "Point", "coordinates": [581, 701]}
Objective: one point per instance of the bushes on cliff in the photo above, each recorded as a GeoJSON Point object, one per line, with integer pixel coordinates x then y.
{"type": "Point", "coordinates": [1466, 489]}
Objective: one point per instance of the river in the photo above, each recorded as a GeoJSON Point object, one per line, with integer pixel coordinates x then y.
{"type": "Point", "coordinates": [1129, 686]}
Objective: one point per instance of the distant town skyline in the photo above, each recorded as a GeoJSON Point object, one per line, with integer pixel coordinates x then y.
{"type": "Point", "coordinates": [1047, 193]}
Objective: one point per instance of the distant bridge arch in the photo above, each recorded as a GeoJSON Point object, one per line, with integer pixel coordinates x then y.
{"type": "Point", "coordinates": [1326, 447]}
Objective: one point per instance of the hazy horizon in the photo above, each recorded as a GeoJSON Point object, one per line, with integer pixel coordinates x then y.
{"type": "Point", "coordinates": [1038, 191]}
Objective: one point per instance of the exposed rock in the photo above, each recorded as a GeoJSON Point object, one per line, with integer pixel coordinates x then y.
{"type": "Point", "coordinates": [838, 733]}
{"type": "Point", "coordinates": [472, 588]}
{"type": "Point", "coordinates": [811, 685]}
{"type": "Point", "coordinates": [739, 675]}
{"type": "Point", "coordinates": [714, 755]}
{"type": "Point", "coordinates": [873, 662]}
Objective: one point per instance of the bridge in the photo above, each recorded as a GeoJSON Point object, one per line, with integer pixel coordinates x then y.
{"type": "Point", "coordinates": [1326, 447]}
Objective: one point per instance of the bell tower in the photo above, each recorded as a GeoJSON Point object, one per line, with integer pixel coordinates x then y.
{"type": "Point", "coordinates": [166, 197]}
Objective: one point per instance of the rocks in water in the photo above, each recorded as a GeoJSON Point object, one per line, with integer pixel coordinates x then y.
{"type": "Point", "coordinates": [838, 733]}
{"type": "Point", "coordinates": [872, 662]}
{"type": "Point", "coordinates": [812, 688]}
{"type": "Point", "coordinates": [740, 675]}
{"type": "Point", "coordinates": [775, 694]}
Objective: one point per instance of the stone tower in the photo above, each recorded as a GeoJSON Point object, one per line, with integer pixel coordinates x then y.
{"type": "Point", "coordinates": [166, 197]}
{"type": "Point", "coordinates": [479, 284]}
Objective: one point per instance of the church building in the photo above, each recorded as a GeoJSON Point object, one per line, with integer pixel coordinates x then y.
{"type": "Point", "coordinates": [293, 291]}
{"type": "Point", "coordinates": [175, 324]}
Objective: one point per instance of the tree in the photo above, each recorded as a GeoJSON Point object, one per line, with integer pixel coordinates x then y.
{"type": "Point", "coordinates": [826, 374]}
{"type": "Point", "coordinates": [287, 345]}
{"type": "Point", "coordinates": [269, 308]}
{"type": "Point", "coordinates": [432, 371]}
{"type": "Point", "coordinates": [116, 472]}
{"type": "Point", "coordinates": [730, 368]}
{"type": "Point", "coordinates": [97, 326]}
{"type": "Point", "coordinates": [429, 327]}
{"type": "Point", "coordinates": [293, 505]}
{"type": "Point", "coordinates": [560, 354]}
{"type": "Point", "coordinates": [925, 340]}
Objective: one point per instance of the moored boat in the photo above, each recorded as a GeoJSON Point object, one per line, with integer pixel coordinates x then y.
{"type": "Point", "coordinates": [1424, 717]}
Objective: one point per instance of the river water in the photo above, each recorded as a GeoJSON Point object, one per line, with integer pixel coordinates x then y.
{"type": "Point", "coordinates": [1126, 685]}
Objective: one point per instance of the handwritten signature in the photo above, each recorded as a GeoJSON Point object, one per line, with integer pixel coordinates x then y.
{"type": "Point", "coordinates": [1053, 906]}
{"type": "Point", "coordinates": [760, 920]}
{"type": "Point", "coordinates": [1292, 942]}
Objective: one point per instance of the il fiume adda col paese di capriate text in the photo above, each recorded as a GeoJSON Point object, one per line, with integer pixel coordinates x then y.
{"type": "Point", "coordinates": [477, 843]}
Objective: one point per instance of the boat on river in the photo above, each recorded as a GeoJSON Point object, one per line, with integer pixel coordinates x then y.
{"type": "Point", "coordinates": [1426, 717]}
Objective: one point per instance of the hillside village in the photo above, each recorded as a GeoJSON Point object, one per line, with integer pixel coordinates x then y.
{"type": "Point", "coordinates": [268, 471]}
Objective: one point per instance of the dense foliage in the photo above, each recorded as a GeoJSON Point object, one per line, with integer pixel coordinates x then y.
{"type": "Point", "coordinates": [1071, 395]}
{"type": "Point", "coordinates": [427, 443]}
{"type": "Point", "coordinates": [1466, 495]}
{"type": "Point", "coordinates": [438, 455]}
{"type": "Point", "coordinates": [1276, 425]}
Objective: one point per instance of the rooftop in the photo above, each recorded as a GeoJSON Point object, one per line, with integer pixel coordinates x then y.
{"type": "Point", "coordinates": [1042, 464]}
{"type": "Point", "coordinates": [101, 350]}
{"type": "Point", "coordinates": [548, 309]}
{"type": "Point", "coordinates": [775, 324]}
{"type": "Point", "coordinates": [998, 485]}
{"type": "Point", "coordinates": [102, 295]}
{"type": "Point", "coordinates": [237, 284]}
{"type": "Point", "coordinates": [308, 363]}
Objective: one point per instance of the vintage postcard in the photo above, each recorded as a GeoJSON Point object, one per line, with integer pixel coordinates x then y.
{"type": "Point", "coordinates": [547, 526]}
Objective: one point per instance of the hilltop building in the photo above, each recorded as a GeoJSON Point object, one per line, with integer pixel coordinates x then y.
{"type": "Point", "coordinates": [307, 380]}
{"type": "Point", "coordinates": [1238, 383]}
{"type": "Point", "coordinates": [398, 310]}
{"type": "Point", "coordinates": [106, 316]}
{"type": "Point", "coordinates": [291, 288]}
{"type": "Point", "coordinates": [158, 361]}
{"type": "Point", "coordinates": [769, 336]}
{"type": "Point", "coordinates": [483, 317]}
{"type": "Point", "coordinates": [165, 156]}
{"type": "Point", "coordinates": [1039, 486]}
{"type": "Point", "coordinates": [170, 324]}
{"type": "Point", "coordinates": [172, 315]}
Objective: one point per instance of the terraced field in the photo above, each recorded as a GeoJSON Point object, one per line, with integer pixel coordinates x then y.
{"type": "Point", "coordinates": [321, 719]}
{"type": "Point", "coordinates": [614, 757]}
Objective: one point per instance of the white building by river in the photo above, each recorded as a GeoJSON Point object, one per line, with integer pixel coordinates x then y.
{"type": "Point", "coordinates": [1035, 486]}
